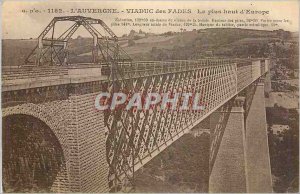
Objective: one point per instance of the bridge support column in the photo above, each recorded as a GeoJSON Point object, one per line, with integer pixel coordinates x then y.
{"type": "Point", "coordinates": [257, 148]}
{"type": "Point", "coordinates": [267, 87]}
{"type": "Point", "coordinates": [239, 158]}
{"type": "Point", "coordinates": [227, 157]}
{"type": "Point", "coordinates": [89, 166]}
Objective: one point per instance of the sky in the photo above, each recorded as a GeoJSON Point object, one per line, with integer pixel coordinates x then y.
{"type": "Point", "coordinates": [17, 24]}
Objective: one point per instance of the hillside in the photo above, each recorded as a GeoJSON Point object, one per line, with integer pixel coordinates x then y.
{"type": "Point", "coordinates": [220, 42]}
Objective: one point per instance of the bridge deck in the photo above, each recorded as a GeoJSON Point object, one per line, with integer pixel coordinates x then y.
{"type": "Point", "coordinates": [32, 77]}
{"type": "Point", "coordinates": [17, 78]}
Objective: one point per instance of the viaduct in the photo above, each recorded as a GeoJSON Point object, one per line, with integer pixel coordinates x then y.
{"type": "Point", "coordinates": [68, 146]}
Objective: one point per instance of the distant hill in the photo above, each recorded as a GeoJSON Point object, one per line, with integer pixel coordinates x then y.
{"type": "Point", "coordinates": [14, 52]}
{"type": "Point", "coordinates": [218, 42]}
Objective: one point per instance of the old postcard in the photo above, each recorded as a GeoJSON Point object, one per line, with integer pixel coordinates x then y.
{"type": "Point", "coordinates": [150, 97]}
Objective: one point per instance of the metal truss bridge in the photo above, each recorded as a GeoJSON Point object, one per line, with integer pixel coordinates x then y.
{"type": "Point", "coordinates": [132, 137]}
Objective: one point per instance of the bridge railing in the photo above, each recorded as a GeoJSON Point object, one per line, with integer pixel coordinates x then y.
{"type": "Point", "coordinates": [159, 67]}
{"type": "Point", "coordinates": [33, 73]}
{"type": "Point", "coordinates": [28, 72]}
{"type": "Point", "coordinates": [247, 73]}
{"type": "Point", "coordinates": [247, 69]}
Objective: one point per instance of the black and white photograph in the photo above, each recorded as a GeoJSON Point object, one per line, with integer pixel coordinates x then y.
{"type": "Point", "coordinates": [150, 96]}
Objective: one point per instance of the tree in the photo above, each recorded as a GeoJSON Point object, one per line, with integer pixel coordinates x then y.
{"type": "Point", "coordinates": [131, 42]}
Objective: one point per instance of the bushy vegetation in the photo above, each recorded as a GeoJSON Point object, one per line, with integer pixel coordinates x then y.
{"type": "Point", "coordinates": [284, 149]}
{"type": "Point", "coordinates": [183, 167]}
{"type": "Point", "coordinates": [284, 144]}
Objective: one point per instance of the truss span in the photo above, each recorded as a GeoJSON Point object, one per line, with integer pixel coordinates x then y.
{"type": "Point", "coordinates": [135, 137]}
